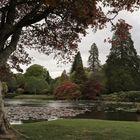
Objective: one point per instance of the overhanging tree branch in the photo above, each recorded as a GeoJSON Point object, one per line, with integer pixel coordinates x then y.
{"type": "Point", "coordinates": [30, 19]}
{"type": "Point", "coordinates": [5, 53]}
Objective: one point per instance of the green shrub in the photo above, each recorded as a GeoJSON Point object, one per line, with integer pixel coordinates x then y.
{"type": "Point", "coordinates": [4, 88]}
{"type": "Point", "coordinates": [110, 97]}
{"type": "Point", "coordinates": [20, 91]}
{"type": "Point", "coordinates": [20, 80]}
{"type": "Point", "coordinates": [127, 96]}
{"type": "Point", "coordinates": [34, 85]}
{"type": "Point", "coordinates": [12, 84]}
{"type": "Point", "coordinates": [45, 91]}
{"type": "Point", "coordinates": [130, 96]}
{"type": "Point", "coordinates": [11, 95]}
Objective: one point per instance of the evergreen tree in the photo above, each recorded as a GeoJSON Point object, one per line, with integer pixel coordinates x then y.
{"type": "Point", "coordinates": [123, 66]}
{"type": "Point", "coordinates": [93, 59]}
{"type": "Point", "coordinates": [48, 78]}
{"type": "Point", "coordinates": [77, 71]}
{"type": "Point", "coordinates": [77, 62]}
{"type": "Point", "coordinates": [64, 77]}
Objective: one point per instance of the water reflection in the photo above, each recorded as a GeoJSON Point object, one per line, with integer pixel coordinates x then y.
{"type": "Point", "coordinates": [54, 104]}
{"type": "Point", "coordinates": [118, 116]}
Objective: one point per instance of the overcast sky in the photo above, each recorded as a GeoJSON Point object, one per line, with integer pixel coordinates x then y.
{"type": "Point", "coordinates": [84, 47]}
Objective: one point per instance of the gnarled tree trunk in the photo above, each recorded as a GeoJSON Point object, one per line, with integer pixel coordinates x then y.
{"type": "Point", "coordinates": [4, 125]}
{"type": "Point", "coordinates": [5, 52]}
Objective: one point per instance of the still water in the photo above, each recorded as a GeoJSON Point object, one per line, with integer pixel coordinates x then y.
{"type": "Point", "coordinates": [95, 110]}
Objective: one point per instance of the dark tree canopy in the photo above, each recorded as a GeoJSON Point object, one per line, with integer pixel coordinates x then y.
{"type": "Point", "coordinates": [44, 25]}
{"type": "Point", "coordinates": [50, 25]}
{"type": "Point", "coordinates": [78, 75]}
{"type": "Point", "coordinates": [36, 71]}
{"type": "Point", "coordinates": [123, 63]}
{"type": "Point", "coordinates": [77, 63]}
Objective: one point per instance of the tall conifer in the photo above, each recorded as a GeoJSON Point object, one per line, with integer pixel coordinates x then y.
{"type": "Point", "coordinates": [123, 66]}
{"type": "Point", "coordinates": [93, 60]}
{"type": "Point", "coordinates": [77, 71]}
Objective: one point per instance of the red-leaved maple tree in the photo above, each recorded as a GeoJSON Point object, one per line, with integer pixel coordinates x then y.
{"type": "Point", "coordinates": [67, 91]}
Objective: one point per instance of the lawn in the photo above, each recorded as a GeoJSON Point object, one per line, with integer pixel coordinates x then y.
{"type": "Point", "coordinates": [81, 129]}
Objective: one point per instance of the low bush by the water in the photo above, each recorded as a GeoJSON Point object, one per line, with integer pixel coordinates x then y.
{"type": "Point", "coordinates": [130, 96]}
{"type": "Point", "coordinates": [20, 90]}
{"type": "Point", "coordinates": [11, 95]}
{"type": "Point", "coordinates": [127, 96]}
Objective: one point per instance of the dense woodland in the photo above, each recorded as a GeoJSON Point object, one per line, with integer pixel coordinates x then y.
{"type": "Point", "coordinates": [121, 72]}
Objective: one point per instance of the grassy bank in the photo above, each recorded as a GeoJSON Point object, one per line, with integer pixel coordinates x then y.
{"type": "Point", "coordinates": [39, 97]}
{"type": "Point", "coordinates": [78, 129]}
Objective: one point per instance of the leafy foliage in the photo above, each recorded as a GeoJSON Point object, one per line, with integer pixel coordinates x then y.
{"type": "Point", "coordinates": [35, 85]}
{"type": "Point", "coordinates": [12, 84]}
{"type": "Point", "coordinates": [4, 88]}
{"type": "Point", "coordinates": [5, 73]}
{"type": "Point", "coordinates": [77, 62]}
{"type": "Point", "coordinates": [93, 59]}
{"type": "Point", "coordinates": [36, 71]}
{"type": "Point", "coordinates": [67, 90]}
{"type": "Point", "coordinates": [20, 80]}
{"type": "Point", "coordinates": [123, 64]}
{"type": "Point", "coordinates": [37, 79]}
{"type": "Point", "coordinates": [129, 96]}
{"type": "Point", "coordinates": [20, 90]}
{"type": "Point", "coordinates": [78, 75]}
{"type": "Point", "coordinates": [64, 77]}
{"type": "Point", "coordinates": [92, 89]}
{"type": "Point", "coordinates": [62, 22]}
{"type": "Point", "coordinates": [124, 96]}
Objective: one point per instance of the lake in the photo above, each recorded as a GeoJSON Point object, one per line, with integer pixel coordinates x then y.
{"type": "Point", "coordinates": [94, 110]}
